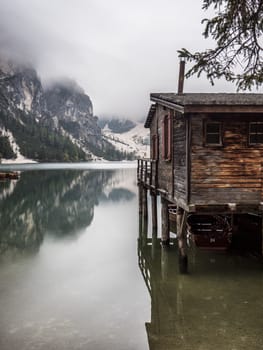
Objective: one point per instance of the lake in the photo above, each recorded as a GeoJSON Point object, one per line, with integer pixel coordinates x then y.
{"type": "Point", "coordinates": [74, 275]}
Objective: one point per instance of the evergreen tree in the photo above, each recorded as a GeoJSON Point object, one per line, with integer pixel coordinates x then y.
{"type": "Point", "coordinates": [6, 150]}
{"type": "Point", "coordinates": [237, 29]}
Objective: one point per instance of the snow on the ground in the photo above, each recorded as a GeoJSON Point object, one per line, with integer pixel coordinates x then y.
{"type": "Point", "coordinates": [131, 141]}
{"type": "Point", "coordinates": [20, 159]}
{"type": "Point", "coordinates": [90, 155]}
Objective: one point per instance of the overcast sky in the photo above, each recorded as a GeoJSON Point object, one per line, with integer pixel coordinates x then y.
{"type": "Point", "coordinates": [117, 50]}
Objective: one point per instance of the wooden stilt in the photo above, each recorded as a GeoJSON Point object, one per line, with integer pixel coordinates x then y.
{"type": "Point", "coordinates": [140, 212]}
{"type": "Point", "coordinates": [144, 216]}
{"type": "Point", "coordinates": [140, 190]}
{"type": "Point", "coordinates": [182, 244]}
{"type": "Point", "coordinates": [165, 223]}
{"type": "Point", "coordinates": [154, 214]}
{"type": "Point", "coordinates": [145, 203]}
{"type": "Point", "coordinates": [154, 223]}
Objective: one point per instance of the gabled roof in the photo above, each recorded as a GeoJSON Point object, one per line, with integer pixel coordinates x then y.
{"type": "Point", "coordinates": [207, 103]}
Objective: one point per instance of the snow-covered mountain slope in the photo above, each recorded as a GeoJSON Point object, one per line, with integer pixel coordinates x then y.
{"type": "Point", "coordinates": [134, 141]}
{"type": "Point", "coordinates": [16, 149]}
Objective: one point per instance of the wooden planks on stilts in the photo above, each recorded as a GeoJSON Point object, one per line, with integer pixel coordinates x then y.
{"type": "Point", "coordinates": [182, 237]}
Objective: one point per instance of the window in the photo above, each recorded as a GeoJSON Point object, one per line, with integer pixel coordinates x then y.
{"type": "Point", "coordinates": [213, 133]}
{"type": "Point", "coordinates": [255, 133]}
{"type": "Point", "coordinates": [166, 137]}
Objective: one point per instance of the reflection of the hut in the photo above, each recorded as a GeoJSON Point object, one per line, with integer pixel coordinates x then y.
{"type": "Point", "coordinates": [217, 306]}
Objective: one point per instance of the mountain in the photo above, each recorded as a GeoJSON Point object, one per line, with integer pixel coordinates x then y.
{"type": "Point", "coordinates": [128, 136]}
{"type": "Point", "coordinates": [25, 121]}
{"type": "Point", "coordinates": [117, 125]}
{"type": "Point", "coordinates": [55, 123]}
{"type": "Point", "coordinates": [71, 109]}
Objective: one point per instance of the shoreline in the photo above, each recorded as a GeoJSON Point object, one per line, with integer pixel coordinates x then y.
{"type": "Point", "coordinates": [18, 161]}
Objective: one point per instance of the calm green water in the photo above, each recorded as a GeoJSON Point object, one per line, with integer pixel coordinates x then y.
{"type": "Point", "coordinates": [74, 275]}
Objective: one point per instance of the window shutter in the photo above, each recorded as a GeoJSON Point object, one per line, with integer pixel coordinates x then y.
{"type": "Point", "coordinates": [163, 139]}
{"type": "Point", "coordinates": [169, 138]}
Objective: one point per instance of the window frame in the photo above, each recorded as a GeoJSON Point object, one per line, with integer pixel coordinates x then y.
{"type": "Point", "coordinates": [254, 133]}
{"type": "Point", "coordinates": [220, 134]}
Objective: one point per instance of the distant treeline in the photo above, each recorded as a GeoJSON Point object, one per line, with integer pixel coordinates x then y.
{"type": "Point", "coordinates": [38, 141]}
{"type": "Point", "coordinates": [116, 125]}
{"type": "Point", "coordinates": [45, 144]}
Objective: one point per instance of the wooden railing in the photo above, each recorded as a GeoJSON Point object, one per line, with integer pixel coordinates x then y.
{"type": "Point", "coordinates": [144, 267]}
{"type": "Point", "coordinates": [147, 172]}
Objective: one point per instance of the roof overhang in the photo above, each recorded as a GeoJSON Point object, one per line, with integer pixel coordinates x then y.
{"type": "Point", "coordinates": [209, 108]}
{"type": "Point", "coordinates": [150, 116]}
{"type": "Point", "coordinates": [177, 107]}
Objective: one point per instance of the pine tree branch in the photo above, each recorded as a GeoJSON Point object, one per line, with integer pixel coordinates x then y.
{"type": "Point", "coordinates": [237, 27]}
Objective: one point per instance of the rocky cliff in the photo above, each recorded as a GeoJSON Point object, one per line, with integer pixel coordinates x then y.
{"type": "Point", "coordinates": [20, 88]}
{"type": "Point", "coordinates": [53, 124]}
{"type": "Point", "coordinates": [71, 110]}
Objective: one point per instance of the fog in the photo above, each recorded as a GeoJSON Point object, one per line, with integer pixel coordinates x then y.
{"type": "Point", "coordinates": [117, 50]}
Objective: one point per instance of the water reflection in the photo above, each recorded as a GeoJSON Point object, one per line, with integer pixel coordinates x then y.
{"type": "Point", "coordinates": [82, 289]}
{"type": "Point", "coordinates": [59, 203]}
{"type": "Point", "coordinates": [217, 306]}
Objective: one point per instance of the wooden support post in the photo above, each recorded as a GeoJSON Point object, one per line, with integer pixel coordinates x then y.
{"type": "Point", "coordinates": [154, 214]}
{"type": "Point", "coordinates": [262, 234]}
{"type": "Point", "coordinates": [182, 245]}
{"type": "Point", "coordinates": [145, 203]}
{"type": "Point", "coordinates": [145, 172]}
{"type": "Point", "coordinates": [165, 223]}
{"type": "Point", "coordinates": [154, 223]}
{"type": "Point", "coordinates": [140, 190]}
{"type": "Point", "coordinates": [144, 216]}
{"type": "Point", "coordinates": [140, 211]}
{"type": "Point", "coordinates": [151, 173]}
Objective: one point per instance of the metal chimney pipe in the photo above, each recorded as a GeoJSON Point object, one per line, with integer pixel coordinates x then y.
{"type": "Point", "coordinates": [181, 77]}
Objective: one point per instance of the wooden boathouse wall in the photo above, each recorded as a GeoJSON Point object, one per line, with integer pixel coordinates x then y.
{"type": "Point", "coordinates": [171, 173]}
{"type": "Point", "coordinates": [180, 158]}
{"type": "Point", "coordinates": [231, 172]}
{"type": "Point", "coordinates": [164, 167]}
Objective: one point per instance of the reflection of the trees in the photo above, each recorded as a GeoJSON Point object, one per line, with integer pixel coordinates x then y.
{"type": "Point", "coordinates": [57, 202]}
{"type": "Point", "coordinates": [216, 306]}
{"type": "Point", "coordinates": [118, 194]}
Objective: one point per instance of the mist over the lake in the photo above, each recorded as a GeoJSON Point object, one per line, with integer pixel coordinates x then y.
{"type": "Point", "coordinates": [118, 51]}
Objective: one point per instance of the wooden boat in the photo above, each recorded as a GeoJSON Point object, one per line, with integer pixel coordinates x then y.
{"type": "Point", "coordinates": [14, 175]}
{"type": "Point", "coordinates": [212, 232]}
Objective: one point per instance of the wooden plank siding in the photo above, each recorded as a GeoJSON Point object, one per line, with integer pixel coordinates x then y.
{"type": "Point", "coordinates": [231, 173]}
{"type": "Point", "coordinates": [165, 167]}
{"type": "Point", "coordinates": [180, 159]}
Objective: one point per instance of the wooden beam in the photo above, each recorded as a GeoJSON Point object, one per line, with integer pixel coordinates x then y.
{"type": "Point", "coordinates": [165, 223]}
{"type": "Point", "coordinates": [154, 214]}
{"type": "Point", "coordinates": [223, 109]}
{"type": "Point", "coordinates": [182, 244]}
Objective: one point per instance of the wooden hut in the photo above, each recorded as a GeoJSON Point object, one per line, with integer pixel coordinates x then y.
{"type": "Point", "coordinates": [206, 153]}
